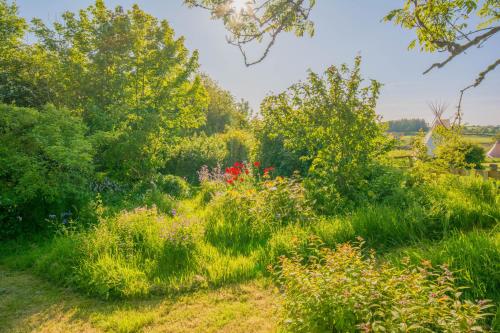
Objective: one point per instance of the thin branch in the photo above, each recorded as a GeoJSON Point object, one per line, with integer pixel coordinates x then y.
{"type": "Point", "coordinates": [458, 49]}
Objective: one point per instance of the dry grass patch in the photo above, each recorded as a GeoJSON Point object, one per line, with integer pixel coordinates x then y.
{"type": "Point", "coordinates": [28, 304]}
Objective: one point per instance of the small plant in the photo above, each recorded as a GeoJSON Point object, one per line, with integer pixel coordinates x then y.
{"type": "Point", "coordinates": [343, 290]}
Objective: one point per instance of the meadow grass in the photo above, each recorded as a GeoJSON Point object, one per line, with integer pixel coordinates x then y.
{"type": "Point", "coordinates": [144, 253]}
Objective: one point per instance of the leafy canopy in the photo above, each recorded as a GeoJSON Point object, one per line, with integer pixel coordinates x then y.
{"type": "Point", "coordinates": [329, 123]}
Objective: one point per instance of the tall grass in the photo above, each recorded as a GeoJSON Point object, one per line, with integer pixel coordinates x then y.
{"type": "Point", "coordinates": [239, 234]}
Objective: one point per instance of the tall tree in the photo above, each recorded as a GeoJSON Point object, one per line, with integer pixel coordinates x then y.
{"type": "Point", "coordinates": [133, 83]}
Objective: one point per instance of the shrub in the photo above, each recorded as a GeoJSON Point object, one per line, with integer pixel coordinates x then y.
{"type": "Point", "coordinates": [45, 163]}
{"type": "Point", "coordinates": [343, 291]}
{"type": "Point", "coordinates": [173, 185]}
{"type": "Point", "coordinates": [193, 153]}
{"type": "Point", "coordinates": [453, 151]}
{"type": "Point", "coordinates": [240, 146]}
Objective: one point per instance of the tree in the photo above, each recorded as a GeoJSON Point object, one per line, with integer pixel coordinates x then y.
{"type": "Point", "coordinates": [223, 111]}
{"type": "Point", "coordinates": [407, 125]}
{"type": "Point", "coordinates": [445, 26]}
{"type": "Point", "coordinates": [132, 82]}
{"type": "Point", "coordinates": [453, 151]}
{"type": "Point", "coordinates": [439, 25]}
{"type": "Point", "coordinates": [330, 124]}
{"type": "Point", "coordinates": [250, 21]}
{"type": "Point", "coordinates": [23, 72]}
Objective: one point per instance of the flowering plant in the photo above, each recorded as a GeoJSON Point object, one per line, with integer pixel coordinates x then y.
{"type": "Point", "coordinates": [342, 290]}
{"type": "Point", "coordinates": [241, 172]}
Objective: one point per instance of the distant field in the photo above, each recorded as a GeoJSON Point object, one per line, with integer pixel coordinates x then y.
{"type": "Point", "coordinates": [483, 140]}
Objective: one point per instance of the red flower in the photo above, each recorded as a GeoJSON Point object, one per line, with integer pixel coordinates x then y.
{"type": "Point", "coordinates": [246, 171]}
{"type": "Point", "coordinates": [256, 164]}
{"type": "Point", "coordinates": [233, 171]}
{"type": "Point", "coordinates": [238, 165]}
{"type": "Point", "coordinates": [229, 181]}
{"type": "Point", "coordinates": [266, 170]}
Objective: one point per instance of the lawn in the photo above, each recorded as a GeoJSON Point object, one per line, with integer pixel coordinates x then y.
{"type": "Point", "coordinates": [30, 304]}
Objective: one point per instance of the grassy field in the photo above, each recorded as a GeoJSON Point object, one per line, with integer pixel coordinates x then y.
{"type": "Point", "coordinates": [223, 282]}
{"type": "Point", "coordinates": [484, 141]}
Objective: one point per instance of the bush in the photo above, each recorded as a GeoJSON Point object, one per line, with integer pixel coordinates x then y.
{"type": "Point", "coordinates": [343, 291]}
{"type": "Point", "coordinates": [240, 146]}
{"type": "Point", "coordinates": [173, 185]}
{"type": "Point", "coordinates": [192, 153]}
{"type": "Point", "coordinates": [45, 163]}
{"type": "Point", "coordinates": [453, 151]}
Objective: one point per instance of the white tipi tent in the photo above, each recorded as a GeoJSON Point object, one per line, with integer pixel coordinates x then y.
{"type": "Point", "coordinates": [429, 140]}
{"type": "Point", "coordinates": [438, 110]}
{"type": "Point", "coordinates": [494, 152]}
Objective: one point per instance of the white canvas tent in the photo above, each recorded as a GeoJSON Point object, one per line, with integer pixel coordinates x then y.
{"type": "Point", "coordinates": [429, 140]}
{"type": "Point", "coordinates": [494, 152]}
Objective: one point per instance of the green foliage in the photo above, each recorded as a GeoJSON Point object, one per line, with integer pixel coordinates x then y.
{"type": "Point", "coordinates": [223, 111]}
{"type": "Point", "coordinates": [19, 62]}
{"type": "Point", "coordinates": [475, 256]}
{"type": "Point", "coordinates": [189, 155]}
{"type": "Point", "coordinates": [343, 290]}
{"type": "Point", "coordinates": [330, 124]}
{"type": "Point", "coordinates": [271, 150]}
{"type": "Point", "coordinates": [122, 256]}
{"type": "Point", "coordinates": [46, 165]}
{"type": "Point", "coordinates": [173, 185]}
{"type": "Point", "coordinates": [451, 26]}
{"type": "Point", "coordinates": [439, 21]}
{"type": "Point", "coordinates": [453, 151]}
{"type": "Point", "coordinates": [124, 73]}
{"type": "Point", "coordinates": [240, 146]}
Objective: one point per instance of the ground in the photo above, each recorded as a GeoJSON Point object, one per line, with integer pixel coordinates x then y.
{"type": "Point", "coordinates": [29, 304]}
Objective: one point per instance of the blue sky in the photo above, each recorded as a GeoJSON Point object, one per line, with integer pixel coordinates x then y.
{"type": "Point", "coordinates": [344, 29]}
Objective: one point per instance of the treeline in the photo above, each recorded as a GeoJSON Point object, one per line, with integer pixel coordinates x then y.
{"type": "Point", "coordinates": [407, 125]}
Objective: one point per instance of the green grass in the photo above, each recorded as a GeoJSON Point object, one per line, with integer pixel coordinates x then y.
{"type": "Point", "coordinates": [30, 304]}
{"type": "Point", "coordinates": [146, 257]}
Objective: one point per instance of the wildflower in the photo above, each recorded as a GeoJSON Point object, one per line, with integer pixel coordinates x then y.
{"type": "Point", "coordinates": [230, 181]}
{"type": "Point", "coordinates": [256, 164]}
{"type": "Point", "coordinates": [174, 212]}
{"type": "Point", "coordinates": [268, 169]}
